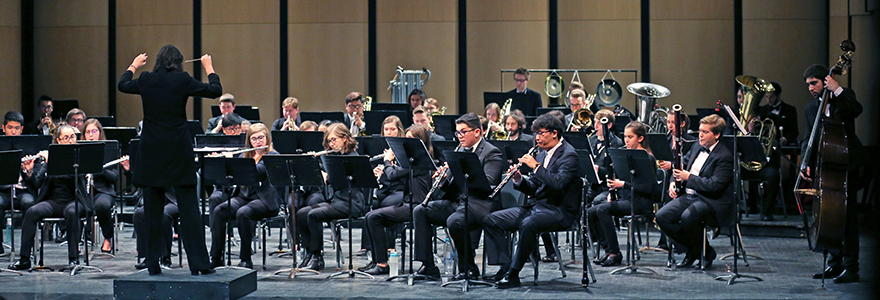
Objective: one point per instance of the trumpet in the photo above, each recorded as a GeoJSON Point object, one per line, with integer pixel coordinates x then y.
{"type": "Point", "coordinates": [509, 174]}
{"type": "Point", "coordinates": [290, 124]}
{"type": "Point", "coordinates": [49, 123]}
{"type": "Point", "coordinates": [438, 181]}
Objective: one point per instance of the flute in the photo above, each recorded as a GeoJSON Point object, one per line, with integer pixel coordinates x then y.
{"type": "Point", "coordinates": [319, 153]}
{"type": "Point", "coordinates": [116, 161]}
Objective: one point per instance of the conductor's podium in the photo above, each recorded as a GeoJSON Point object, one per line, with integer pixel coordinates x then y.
{"type": "Point", "coordinates": [179, 284]}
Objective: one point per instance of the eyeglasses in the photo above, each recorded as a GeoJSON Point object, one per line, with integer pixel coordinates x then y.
{"type": "Point", "coordinates": [93, 131]}
{"type": "Point", "coordinates": [541, 132]}
{"type": "Point", "coordinates": [520, 80]}
{"type": "Point", "coordinates": [67, 138]}
{"type": "Point", "coordinates": [354, 106]}
{"type": "Point", "coordinates": [463, 132]}
{"type": "Point", "coordinates": [76, 120]}
{"type": "Point", "coordinates": [332, 140]}
{"type": "Point", "coordinates": [258, 138]}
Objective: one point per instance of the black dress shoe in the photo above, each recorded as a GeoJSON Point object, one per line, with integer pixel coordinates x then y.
{"type": "Point", "coordinates": [246, 264]}
{"type": "Point", "coordinates": [687, 262]}
{"type": "Point", "coordinates": [498, 276]}
{"type": "Point", "coordinates": [362, 252]}
{"type": "Point", "coordinates": [472, 273]}
{"type": "Point", "coordinates": [203, 272]}
{"type": "Point", "coordinates": [141, 265]}
{"type": "Point", "coordinates": [20, 265]}
{"type": "Point", "coordinates": [613, 260]}
{"type": "Point", "coordinates": [830, 272]}
{"type": "Point", "coordinates": [847, 276]}
{"type": "Point", "coordinates": [710, 257]}
{"type": "Point", "coordinates": [367, 267]}
{"type": "Point", "coordinates": [550, 258]}
{"type": "Point", "coordinates": [377, 270]}
{"type": "Point", "coordinates": [430, 272]}
{"type": "Point", "coordinates": [599, 260]}
{"type": "Point", "coordinates": [305, 261]}
{"type": "Point", "coordinates": [165, 262]}
{"type": "Point", "coordinates": [508, 282]}
{"type": "Point", "coordinates": [316, 263]}
{"type": "Point", "coordinates": [216, 263]}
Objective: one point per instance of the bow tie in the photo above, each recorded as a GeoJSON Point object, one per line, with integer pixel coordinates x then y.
{"type": "Point", "coordinates": [471, 149]}
{"type": "Point", "coordinates": [704, 149]}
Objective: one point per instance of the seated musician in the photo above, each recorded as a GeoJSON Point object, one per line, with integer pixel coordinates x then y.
{"type": "Point", "coordinates": [76, 118]}
{"type": "Point", "coordinates": [451, 214]}
{"type": "Point", "coordinates": [631, 197]}
{"type": "Point", "coordinates": [379, 221]}
{"type": "Point", "coordinates": [493, 117]}
{"type": "Point", "coordinates": [667, 165]}
{"type": "Point", "coordinates": [554, 195]}
{"type": "Point", "coordinates": [248, 203]}
{"type": "Point", "coordinates": [577, 85]}
{"type": "Point", "coordinates": [310, 219]}
{"type": "Point", "coordinates": [416, 98]}
{"type": "Point", "coordinates": [390, 191]}
{"type": "Point", "coordinates": [308, 126]}
{"type": "Point", "coordinates": [422, 117]}
{"type": "Point", "coordinates": [577, 100]}
{"type": "Point", "coordinates": [230, 124]}
{"type": "Point", "coordinates": [290, 113]}
{"type": "Point", "coordinates": [23, 198]}
{"type": "Point", "coordinates": [432, 105]}
{"type": "Point", "coordinates": [170, 211]}
{"type": "Point", "coordinates": [354, 113]}
{"type": "Point", "coordinates": [514, 124]}
{"type": "Point", "coordinates": [599, 194]}
{"type": "Point", "coordinates": [707, 195]}
{"type": "Point", "coordinates": [56, 197]}
{"type": "Point", "coordinates": [227, 106]}
{"type": "Point", "coordinates": [103, 187]}
{"type": "Point", "coordinates": [43, 123]}
{"type": "Point", "coordinates": [784, 117]}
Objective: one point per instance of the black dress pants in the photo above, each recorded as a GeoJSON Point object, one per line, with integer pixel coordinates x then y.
{"type": "Point", "coordinates": [477, 212]}
{"type": "Point", "coordinates": [52, 209]}
{"type": "Point", "coordinates": [435, 213]}
{"type": "Point", "coordinates": [247, 212]}
{"type": "Point", "coordinates": [310, 224]}
{"type": "Point", "coordinates": [391, 200]}
{"type": "Point", "coordinates": [192, 231]}
{"type": "Point", "coordinates": [377, 222]}
{"type": "Point", "coordinates": [170, 212]}
{"type": "Point", "coordinates": [529, 223]}
{"type": "Point", "coordinates": [602, 223]}
{"type": "Point", "coordinates": [682, 220]}
{"type": "Point", "coordinates": [103, 212]}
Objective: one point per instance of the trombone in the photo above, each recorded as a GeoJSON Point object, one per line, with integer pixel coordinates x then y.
{"type": "Point", "coordinates": [582, 118]}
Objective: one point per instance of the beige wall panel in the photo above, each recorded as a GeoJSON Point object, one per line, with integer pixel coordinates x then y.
{"type": "Point", "coordinates": [414, 46]}
{"type": "Point", "coordinates": [694, 59]}
{"type": "Point", "coordinates": [783, 9]}
{"type": "Point", "coordinates": [691, 10]}
{"type": "Point", "coordinates": [327, 11]}
{"type": "Point", "coordinates": [327, 61]}
{"type": "Point", "coordinates": [837, 33]}
{"type": "Point", "coordinates": [416, 11]}
{"type": "Point", "coordinates": [837, 8]}
{"type": "Point", "coordinates": [782, 55]}
{"type": "Point", "coordinates": [599, 10]}
{"type": "Point", "coordinates": [154, 12]}
{"type": "Point", "coordinates": [71, 63]}
{"type": "Point", "coordinates": [10, 68]}
{"type": "Point", "coordinates": [240, 12]}
{"type": "Point", "coordinates": [246, 58]}
{"type": "Point", "coordinates": [54, 13]}
{"type": "Point", "coordinates": [493, 46]}
{"type": "Point", "coordinates": [11, 14]}
{"type": "Point", "coordinates": [133, 40]}
{"type": "Point", "coordinates": [511, 10]}
{"type": "Point", "coordinates": [865, 76]}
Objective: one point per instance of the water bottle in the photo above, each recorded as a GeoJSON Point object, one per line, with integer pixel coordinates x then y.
{"type": "Point", "coordinates": [448, 258]}
{"type": "Point", "coordinates": [8, 231]}
{"type": "Point", "coordinates": [393, 264]}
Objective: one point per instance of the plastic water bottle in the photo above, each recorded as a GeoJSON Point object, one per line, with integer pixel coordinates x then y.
{"type": "Point", "coordinates": [393, 264]}
{"type": "Point", "coordinates": [8, 231]}
{"type": "Point", "coordinates": [448, 258]}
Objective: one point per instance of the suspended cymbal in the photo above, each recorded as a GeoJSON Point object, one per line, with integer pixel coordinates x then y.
{"type": "Point", "coordinates": [646, 89]}
{"type": "Point", "coordinates": [608, 92]}
{"type": "Point", "coordinates": [554, 85]}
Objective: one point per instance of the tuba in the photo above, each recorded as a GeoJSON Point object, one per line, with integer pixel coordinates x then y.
{"type": "Point", "coordinates": [753, 90]}
{"type": "Point", "coordinates": [648, 94]}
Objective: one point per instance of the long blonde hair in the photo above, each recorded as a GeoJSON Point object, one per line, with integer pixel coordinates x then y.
{"type": "Point", "coordinates": [259, 127]}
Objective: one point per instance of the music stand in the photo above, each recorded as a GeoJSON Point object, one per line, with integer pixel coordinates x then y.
{"type": "Point", "coordinates": [297, 142]}
{"type": "Point", "coordinates": [108, 121]}
{"type": "Point", "coordinates": [589, 176]}
{"type": "Point", "coordinates": [292, 170]}
{"type": "Point", "coordinates": [442, 146]}
{"type": "Point", "coordinates": [445, 125]}
{"type": "Point", "coordinates": [520, 101]}
{"type": "Point", "coordinates": [374, 119]}
{"type": "Point", "coordinates": [317, 117]}
{"type": "Point", "coordinates": [510, 152]}
{"type": "Point", "coordinates": [411, 154]}
{"type": "Point", "coordinates": [28, 144]}
{"type": "Point", "coordinates": [392, 106]}
{"type": "Point", "coordinates": [347, 171]}
{"type": "Point", "coordinates": [628, 164]}
{"type": "Point", "coordinates": [578, 140]}
{"type": "Point", "coordinates": [660, 146]}
{"type": "Point", "coordinates": [467, 172]}
{"type": "Point", "coordinates": [10, 170]}
{"type": "Point", "coordinates": [76, 159]}
{"type": "Point", "coordinates": [195, 127]}
{"type": "Point", "coordinates": [121, 134]}
{"type": "Point", "coordinates": [371, 145]}
{"type": "Point", "coordinates": [224, 171]}
{"type": "Point", "coordinates": [62, 107]}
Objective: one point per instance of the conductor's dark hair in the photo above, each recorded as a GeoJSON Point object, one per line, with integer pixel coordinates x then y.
{"type": "Point", "coordinates": [547, 122]}
{"type": "Point", "coordinates": [471, 120]}
{"type": "Point", "coordinates": [13, 116]}
{"type": "Point", "coordinates": [169, 59]}
{"type": "Point", "coordinates": [231, 119]}
{"type": "Point", "coordinates": [816, 71]}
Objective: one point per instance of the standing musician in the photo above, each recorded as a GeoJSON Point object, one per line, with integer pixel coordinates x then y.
{"type": "Point", "coordinates": [227, 106]}
{"type": "Point", "coordinates": [310, 219]}
{"type": "Point", "coordinates": [554, 193]}
{"type": "Point", "coordinates": [380, 220]}
{"type": "Point", "coordinates": [514, 124]}
{"type": "Point", "coordinates": [390, 191]}
{"type": "Point", "coordinates": [521, 81]}
{"type": "Point", "coordinates": [708, 194]}
{"type": "Point", "coordinates": [248, 203]}
{"type": "Point", "coordinates": [634, 197]}
{"type": "Point", "coordinates": [354, 113]}
{"type": "Point", "coordinates": [56, 197]}
{"type": "Point", "coordinates": [168, 149]}
{"type": "Point", "coordinates": [290, 114]}
{"type": "Point", "coordinates": [597, 193]}
{"type": "Point", "coordinates": [102, 187]}
{"type": "Point", "coordinates": [446, 212]}
{"type": "Point", "coordinates": [843, 265]}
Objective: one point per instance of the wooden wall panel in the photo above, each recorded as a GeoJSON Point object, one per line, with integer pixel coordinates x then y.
{"type": "Point", "coordinates": [242, 38]}
{"type": "Point", "coordinates": [599, 10]}
{"type": "Point", "coordinates": [10, 61]}
{"type": "Point", "coordinates": [327, 11]}
{"type": "Point", "coordinates": [865, 77]}
{"type": "Point", "coordinates": [417, 34]}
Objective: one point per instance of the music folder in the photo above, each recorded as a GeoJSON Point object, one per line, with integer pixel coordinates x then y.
{"type": "Point", "coordinates": [660, 146]}
{"type": "Point", "coordinates": [297, 142]}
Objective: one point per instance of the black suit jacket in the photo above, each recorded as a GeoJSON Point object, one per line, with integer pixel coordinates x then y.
{"type": "Point", "coordinates": [557, 183]}
{"type": "Point", "coordinates": [526, 137]}
{"type": "Point", "coordinates": [844, 108]}
{"type": "Point", "coordinates": [787, 119]}
{"type": "Point", "coordinates": [166, 147]}
{"type": "Point", "coordinates": [212, 123]}
{"type": "Point", "coordinates": [490, 157]}
{"type": "Point", "coordinates": [529, 108]}
{"type": "Point", "coordinates": [39, 181]}
{"type": "Point", "coordinates": [278, 124]}
{"type": "Point", "coordinates": [713, 185]}
{"type": "Point", "coordinates": [106, 181]}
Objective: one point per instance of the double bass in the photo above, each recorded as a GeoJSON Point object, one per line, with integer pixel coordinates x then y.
{"type": "Point", "coordinates": [829, 175]}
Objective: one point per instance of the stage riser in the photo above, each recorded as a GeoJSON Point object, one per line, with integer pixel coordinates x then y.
{"type": "Point", "coordinates": [179, 284]}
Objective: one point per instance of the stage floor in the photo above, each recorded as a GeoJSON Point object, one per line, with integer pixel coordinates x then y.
{"type": "Point", "coordinates": [785, 270]}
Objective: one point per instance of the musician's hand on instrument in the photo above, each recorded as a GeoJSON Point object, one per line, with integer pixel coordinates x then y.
{"type": "Point", "coordinates": [227, 154]}
{"type": "Point", "coordinates": [358, 120]}
{"type": "Point", "coordinates": [440, 170]}
{"type": "Point", "coordinates": [126, 165]}
{"type": "Point", "coordinates": [529, 161]}
{"type": "Point", "coordinates": [681, 175]}
{"type": "Point", "coordinates": [324, 175]}
{"type": "Point", "coordinates": [516, 176]}
{"type": "Point", "coordinates": [665, 165]}
{"type": "Point", "coordinates": [672, 193]}
{"type": "Point", "coordinates": [389, 155]}
{"type": "Point", "coordinates": [616, 184]}
{"type": "Point", "coordinates": [218, 128]}
{"type": "Point", "coordinates": [44, 154]}
{"type": "Point", "coordinates": [377, 171]}
{"type": "Point", "coordinates": [139, 61]}
{"type": "Point", "coordinates": [831, 84]}
{"type": "Point", "coordinates": [574, 128]}
{"type": "Point", "coordinates": [806, 174]}
{"type": "Point", "coordinates": [28, 165]}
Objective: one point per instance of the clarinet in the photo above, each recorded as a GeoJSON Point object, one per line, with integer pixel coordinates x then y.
{"type": "Point", "coordinates": [585, 241]}
{"type": "Point", "coordinates": [612, 194]}
{"type": "Point", "coordinates": [677, 145]}
{"type": "Point", "coordinates": [437, 181]}
{"type": "Point", "coordinates": [509, 174]}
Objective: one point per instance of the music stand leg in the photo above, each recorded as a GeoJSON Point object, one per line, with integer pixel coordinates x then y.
{"type": "Point", "coordinates": [466, 282]}
{"type": "Point", "coordinates": [732, 277]}
{"type": "Point", "coordinates": [631, 267]}
{"type": "Point", "coordinates": [351, 271]}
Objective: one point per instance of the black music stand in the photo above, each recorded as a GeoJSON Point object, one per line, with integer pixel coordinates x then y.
{"type": "Point", "coordinates": [392, 106]}
{"type": "Point", "coordinates": [627, 163]}
{"type": "Point", "coordinates": [10, 170]}
{"type": "Point", "coordinates": [62, 107]}
{"type": "Point", "coordinates": [224, 171]}
{"type": "Point", "coordinates": [467, 172]}
{"type": "Point", "coordinates": [347, 171]}
{"type": "Point", "coordinates": [662, 150]}
{"type": "Point", "coordinates": [411, 154]}
{"type": "Point", "coordinates": [374, 119]}
{"type": "Point", "coordinates": [751, 150]}
{"type": "Point", "coordinates": [297, 142]}
{"type": "Point", "coordinates": [121, 134]}
{"type": "Point", "coordinates": [589, 176]}
{"type": "Point", "coordinates": [442, 146]}
{"type": "Point", "coordinates": [317, 117]}
{"type": "Point", "coordinates": [76, 159]}
{"type": "Point", "coordinates": [371, 145]}
{"type": "Point", "coordinates": [510, 152]}
{"type": "Point", "coordinates": [195, 127]}
{"type": "Point", "coordinates": [578, 140]}
{"type": "Point", "coordinates": [520, 101]}
{"type": "Point", "coordinates": [445, 125]}
{"type": "Point", "coordinates": [292, 170]}
{"type": "Point", "coordinates": [29, 144]}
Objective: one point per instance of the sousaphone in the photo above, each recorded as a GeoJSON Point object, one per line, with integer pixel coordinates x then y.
{"type": "Point", "coordinates": [648, 94]}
